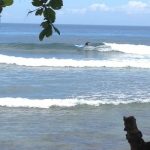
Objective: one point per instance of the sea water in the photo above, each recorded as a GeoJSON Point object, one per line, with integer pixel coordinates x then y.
{"type": "Point", "coordinates": [61, 94]}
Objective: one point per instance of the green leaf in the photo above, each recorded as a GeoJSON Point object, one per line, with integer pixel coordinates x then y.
{"type": "Point", "coordinates": [8, 2]}
{"type": "Point", "coordinates": [49, 31]}
{"type": "Point", "coordinates": [44, 1]}
{"type": "Point", "coordinates": [45, 24]}
{"type": "Point", "coordinates": [55, 4]}
{"type": "Point", "coordinates": [37, 3]}
{"type": "Point", "coordinates": [46, 32]}
{"type": "Point", "coordinates": [1, 3]}
{"type": "Point", "coordinates": [1, 9]}
{"type": "Point", "coordinates": [47, 9]}
{"type": "Point", "coordinates": [42, 34]}
{"type": "Point", "coordinates": [50, 15]}
{"type": "Point", "coordinates": [56, 30]}
{"type": "Point", "coordinates": [39, 12]}
{"type": "Point", "coordinates": [31, 11]}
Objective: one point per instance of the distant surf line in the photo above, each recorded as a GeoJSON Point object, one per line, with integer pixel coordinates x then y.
{"type": "Point", "coordinates": [99, 47]}
{"type": "Point", "coordinates": [47, 103]}
{"type": "Point", "coordinates": [54, 62]}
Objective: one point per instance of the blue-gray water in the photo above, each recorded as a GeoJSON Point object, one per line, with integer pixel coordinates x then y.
{"type": "Point", "coordinates": [60, 94]}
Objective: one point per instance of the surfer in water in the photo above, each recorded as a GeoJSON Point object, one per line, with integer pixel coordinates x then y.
{"type": "Point", "coordinates": [87, 44]}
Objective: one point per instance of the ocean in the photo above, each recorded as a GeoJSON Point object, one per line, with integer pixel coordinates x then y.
{"type": "Point", "coordinates": [61, 94]}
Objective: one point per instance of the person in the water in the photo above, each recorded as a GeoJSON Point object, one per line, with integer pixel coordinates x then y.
{"type": "Point", "coordinates": [87, 43]}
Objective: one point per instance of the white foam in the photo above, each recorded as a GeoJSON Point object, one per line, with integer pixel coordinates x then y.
{"type": "Point", "coordinates": [89, 48]}
{"type": "Point", "coordinates": [53, 62]}
{"type": "Point", "coordinates": [130, 48]}
{"type": "Point", "coordinates": [100, 48]}
{"type": "Point", "coordinates": [80, 46]}
{"type": "Point", "coordinates": [47, 103]}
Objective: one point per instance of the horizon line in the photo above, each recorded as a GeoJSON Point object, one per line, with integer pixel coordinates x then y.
{"type": "Point", "coordinates": [79, 24]}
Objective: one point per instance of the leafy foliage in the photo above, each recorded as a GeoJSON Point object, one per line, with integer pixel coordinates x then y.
{"type": "Point", "coordinates": [4, 3]}
{"type": "Point", "coordinates": [44, 8]}
{"type": "Point", "coordinates": [56, 4]}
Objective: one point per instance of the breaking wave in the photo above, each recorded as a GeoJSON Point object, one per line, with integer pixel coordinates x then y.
{"type": "Point", "coordinates": [100, 47]}
{"type": "Point", "coordinates": [54, 62]}
{"type": "Point", "coordinates": [130, 48]}
{"type": "Point", "coordinates": [47, 103]}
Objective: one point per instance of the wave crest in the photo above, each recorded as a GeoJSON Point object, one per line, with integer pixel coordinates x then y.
{"type": "Point", "coordinates": [100, 47]}
{"type": "Point", "coordinates": [53, 62]}
{"type": "Point", "coordinates": [47, 103]}
{"type": "Point", "coordinates": [130, 48]}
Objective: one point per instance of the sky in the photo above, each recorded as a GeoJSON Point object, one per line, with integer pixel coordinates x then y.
{"type": "Point", "coordinates": [91, 12]}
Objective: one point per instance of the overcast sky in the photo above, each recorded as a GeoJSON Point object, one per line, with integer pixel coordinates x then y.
{"type": "Point", "coordinates": [95, 12]}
